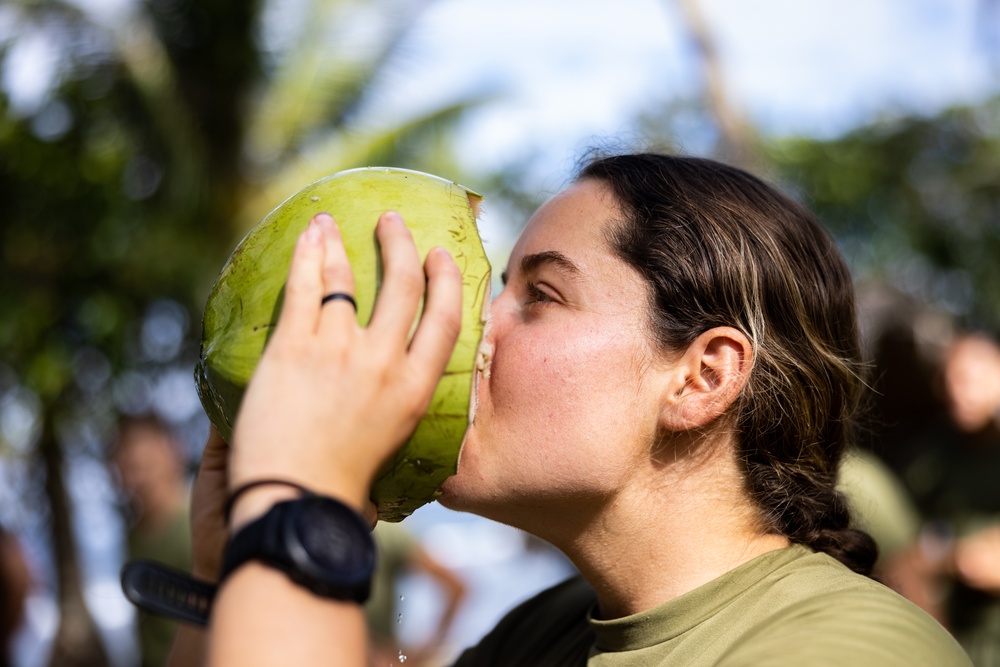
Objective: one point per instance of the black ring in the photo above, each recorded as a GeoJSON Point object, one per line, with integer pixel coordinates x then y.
{"type": "Point", "coordinates": [339, 295]}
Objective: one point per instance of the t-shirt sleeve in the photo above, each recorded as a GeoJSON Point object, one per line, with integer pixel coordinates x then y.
{"type": "Point", "coordinates": [848, 628]}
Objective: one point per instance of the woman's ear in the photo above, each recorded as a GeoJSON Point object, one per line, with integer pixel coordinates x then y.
{"type": "Point", "coordinates": [706, 379]}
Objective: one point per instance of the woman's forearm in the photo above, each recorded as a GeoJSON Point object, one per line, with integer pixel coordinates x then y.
{"type": "Point", "coordinates": [262, 618]}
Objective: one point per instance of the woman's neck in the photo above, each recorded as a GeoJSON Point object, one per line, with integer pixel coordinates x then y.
{"type": "Point", "coordinates": [671, 530]}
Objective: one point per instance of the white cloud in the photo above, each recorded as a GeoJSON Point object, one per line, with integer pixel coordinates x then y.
{"type": "Point", "coordinates": [823, 66]}
{"type": "Point", "coordinates": [566, 72]}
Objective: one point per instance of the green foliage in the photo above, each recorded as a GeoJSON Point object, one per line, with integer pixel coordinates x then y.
{"type": "Point", "coordinates": [915, 202]}
{"type": "Point", "coordinates": [166, 134]}
{"type": "Point", "coordinates": [167, 137]}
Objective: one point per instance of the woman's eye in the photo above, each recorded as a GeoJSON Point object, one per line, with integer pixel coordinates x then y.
{"type": "Point", "coordinates": [535, 295]}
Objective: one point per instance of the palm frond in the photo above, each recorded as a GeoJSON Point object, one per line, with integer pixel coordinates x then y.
{"type": "Point", "coordinates": [346, 149]}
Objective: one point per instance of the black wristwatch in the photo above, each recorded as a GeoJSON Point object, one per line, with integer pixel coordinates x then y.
{"type": "Point", "coordinates": [318, 542]}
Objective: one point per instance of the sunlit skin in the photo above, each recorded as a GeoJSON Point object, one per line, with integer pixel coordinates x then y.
{"type": "Point", "coordinates": [972, 383]}
{"type": "Point", "coordinates": [566, 410]}
{"type": "Point", "coordinates": [590, 436]}
{"type": "Point", "coordinates": [152, 476]}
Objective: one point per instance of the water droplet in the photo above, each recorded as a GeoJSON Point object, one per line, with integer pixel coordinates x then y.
{"type": "Point", "coordinates": [402, 597]}
{"type": "Point", "coordinates": [402, 657]}
{"type": "Point", "coordinates": [314, 198]}
{"type": "Point", "coordinates": [399, 618]}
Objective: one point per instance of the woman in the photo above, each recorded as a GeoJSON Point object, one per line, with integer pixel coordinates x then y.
{"type": "Point", "coordinates": [675, 371]}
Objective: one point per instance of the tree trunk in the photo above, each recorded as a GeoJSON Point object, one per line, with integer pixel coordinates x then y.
{"type": "Point", "coordinates": [735, 142]}
{"type": "Point", "coordinates": [77, 642]}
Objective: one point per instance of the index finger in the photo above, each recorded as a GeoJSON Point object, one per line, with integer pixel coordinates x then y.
{"type": "Point", "coordinates": [304, 287]}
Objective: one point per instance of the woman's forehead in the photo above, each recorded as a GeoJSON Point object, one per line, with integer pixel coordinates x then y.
{"type": "Point", "coordinates": [573, 224]}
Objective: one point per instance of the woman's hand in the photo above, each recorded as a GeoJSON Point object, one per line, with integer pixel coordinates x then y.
{"type": "Point", "coordinates": [208, 500]}
{"type": "Point", "coordinates": [330, 401]}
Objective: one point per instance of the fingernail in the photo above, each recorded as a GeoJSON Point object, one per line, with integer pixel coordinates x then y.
{"type": "Point", "coordinates": [324, 219]}
{"type": "Point", "coordinates": [393, 216]}
{"type": "Point", "coordinates": [438, 250]}
{"type": "Point", "coordinates": [314, 234]}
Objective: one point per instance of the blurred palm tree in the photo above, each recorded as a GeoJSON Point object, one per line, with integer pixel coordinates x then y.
{"type": "Point", "coordinates": [167, 128]}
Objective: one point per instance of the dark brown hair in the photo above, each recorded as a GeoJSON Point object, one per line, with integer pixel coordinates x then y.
{"type": "Point", "coordinates": [719, 247]}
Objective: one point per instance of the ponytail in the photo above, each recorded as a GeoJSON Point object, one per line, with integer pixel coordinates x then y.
{"type": "Point", "coordinates": [810, 511]}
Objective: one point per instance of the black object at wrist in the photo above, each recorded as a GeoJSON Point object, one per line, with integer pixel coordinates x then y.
{"type": "Point", "coordinates": [237, 493]}
{"type": "Point", "coordinates": [165, 591]}
{"type": "Point", "coordinates": [318, 542]}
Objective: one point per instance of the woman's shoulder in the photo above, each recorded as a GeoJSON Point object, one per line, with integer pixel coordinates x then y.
{"type": "Point", "coordinates": [825, 614]}
{"type": "Point", "coordinates": [790, 607]}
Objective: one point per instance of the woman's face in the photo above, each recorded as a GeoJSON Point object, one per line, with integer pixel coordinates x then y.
{"type": "Point", "coordinates": [972, 384]}
{"type": "Point", "coordinates": [569, 410]}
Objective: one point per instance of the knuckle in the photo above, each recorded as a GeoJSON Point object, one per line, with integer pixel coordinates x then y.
{"type": "Point", "coordinates": [411, 283]}
{"type": "Point", "coordinates": [337, 274]}
{"type": "Point", "coordinates": [299, 288]}
{"type": "Point", "coordinates": [284, 348]}
{"type": "Point", "coordinates": [451, 324]}
{"type": "Point", "coordinates": [418, 405]}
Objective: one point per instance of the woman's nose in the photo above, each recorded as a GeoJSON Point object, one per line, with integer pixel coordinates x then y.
{"type": "Point", "coordinates": [500, 311]}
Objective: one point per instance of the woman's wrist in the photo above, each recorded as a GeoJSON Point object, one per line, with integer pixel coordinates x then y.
{"type": "Point", "coordinates": [252, 500]}
{"type": "Point", "coordinates": [255, 502]}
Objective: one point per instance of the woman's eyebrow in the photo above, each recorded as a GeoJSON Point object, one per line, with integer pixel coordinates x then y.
{"type": "Point", "coordinates": [531, 263]}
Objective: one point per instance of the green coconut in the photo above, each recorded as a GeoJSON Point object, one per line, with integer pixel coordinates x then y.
{"type": "Point", "coordinates": [245, 302]}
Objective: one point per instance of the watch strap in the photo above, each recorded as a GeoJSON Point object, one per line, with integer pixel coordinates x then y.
{"type": "Point", "coordinates": [270, 539]}
{"type": "Point", "coordinates": [257, 540]}
{"type": "Point", "coordinates": [166, 591]}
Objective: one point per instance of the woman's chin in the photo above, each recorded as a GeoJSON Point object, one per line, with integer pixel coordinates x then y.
{"type": "Point", "coordinates": [460, 492]}
{"type": "Point", "coordinates": [450, 493]}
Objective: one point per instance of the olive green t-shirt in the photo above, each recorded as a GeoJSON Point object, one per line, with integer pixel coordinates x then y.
{"type": "Point", "coordinates": [787, 607]}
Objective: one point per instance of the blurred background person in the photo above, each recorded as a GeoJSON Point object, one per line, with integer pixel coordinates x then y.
{"type": "Point", "coordinates": [15, 582]}
{"type": "Point", "coordinates": [399, 554]}
{"type": "Point", "coordinates": [151, 467]}
{"type": "Point", "coordinates": [953, 570]}
{"type": "Point", "coordinates": [971, 377]}
{"type": "Point", "coordinates": [882, 507]}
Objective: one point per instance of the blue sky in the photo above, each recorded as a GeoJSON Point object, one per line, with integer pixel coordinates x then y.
{"type": "Point", "coordinates": [568, 72]}
{"type": "Point", "coordinates": [565, 72]}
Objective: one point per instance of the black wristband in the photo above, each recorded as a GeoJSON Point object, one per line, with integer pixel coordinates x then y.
{"type": "Point", "coordinates": [227, 509]}
{"type": "Point", "coordinates": [164, 591]}
{"type": "Point", "coordinates": [319, 542]}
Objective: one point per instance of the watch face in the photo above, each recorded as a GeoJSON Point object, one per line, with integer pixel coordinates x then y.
{"type": "Point", "coordinates": [335, 537]}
